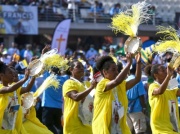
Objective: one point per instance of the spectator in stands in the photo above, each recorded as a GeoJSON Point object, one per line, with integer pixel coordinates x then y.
{"type": "Point", "coordinates": [2, 49]}
{"type": "Point", "coordinates": [72, 9]}
{"type": "Point", "coordinates": [152, 13]}
{"type": "Point", "coordinates": [49, 13]}
{"type": "Point", "coordinates": [34, 3]}
{"type": "Point", "coordinates": [5, 58]}
{"type": "Point", "coordinates": [13, 49]}
{"type": "Point", "coordinates": [112, 52]}
{"type": "Point", "coordinates": [101, 9]}
{"type": "Point", "coordinates": [121, 53]}
{"type": "Point", "coordinates": [91, 54]}
{"type": "Point", "coordinates": [116, 9]}
{"type": "Point", "coordinates": [79, 43]}
{"type": "Point", "coordinates": [97, 9]}
{"type": "Point", "coordinates": [28, 53]}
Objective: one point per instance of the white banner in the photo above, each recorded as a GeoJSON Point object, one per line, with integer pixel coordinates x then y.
{"type": "Point", "coordinates": [60, 36]}
{"type": "Point", "coordinates": [18, 20]}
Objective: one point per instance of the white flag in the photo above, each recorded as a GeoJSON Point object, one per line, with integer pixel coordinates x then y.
{"type": "Point", "coordinates": [60, 36]}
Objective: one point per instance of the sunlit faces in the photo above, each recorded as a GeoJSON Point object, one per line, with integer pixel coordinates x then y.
{"type": "Point", "coordinates": [162, 72]}
{"type": "Point", "coordinates": [8, 76]}
{"type": "Point", "coordinates": [111, 72]}
{"type": "Point", "coordinates": [15, 75]}
{"type": "Point", "coordinates": [78, 69]}
{"type": "Point", "coordinates": [162, 69]}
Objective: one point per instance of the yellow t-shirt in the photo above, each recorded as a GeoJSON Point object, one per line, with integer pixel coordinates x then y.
{"type": "Point", "coordinates": [103, 108]}
{"type": "Point", "coordinates": [33, 126]}
{"type": "Point", "coordinates": [161, 106]}
{"type": "Point", "coordinates": [30, 126]}
{"type": "Point", "coordinates": [72, 123]}
{"type": "Point", "coordinates": [4, 100]}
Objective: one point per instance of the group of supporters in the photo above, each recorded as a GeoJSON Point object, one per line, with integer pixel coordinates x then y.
{"type": "Point", "coordinates": [118, 101]}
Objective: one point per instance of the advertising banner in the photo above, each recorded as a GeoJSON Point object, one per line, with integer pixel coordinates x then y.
{"type": "Point", "coordinates": [18, 20]}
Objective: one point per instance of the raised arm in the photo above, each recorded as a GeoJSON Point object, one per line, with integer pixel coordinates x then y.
{"type": "Point", "coordinates": [137, 78]}
{"type": "Point", "coordinates": [77, 96]}
{"type": "Point", "coordinates": [163, 86]}
{"type": "Point", "coordinates": [29, 86]}
{"type": "Point", "coordinates": [121, 76]}
{"type": "Point", "coordinates": [8, 89]}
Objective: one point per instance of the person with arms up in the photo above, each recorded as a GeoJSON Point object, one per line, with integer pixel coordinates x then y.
{"type": "Point", "coordinates": [110, 96]}
{"type": "Point", "coordinates": [163, 101]}
{"type": "Point", "coordinates": [10, 100]}
{"type": "Point", "coordinates": [136, 105]}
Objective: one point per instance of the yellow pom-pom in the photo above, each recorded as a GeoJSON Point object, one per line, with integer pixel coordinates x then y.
{"type": "Point", "coordinates": [57, 61]}
{"type": "Point", "coordinates": [170, 42]}
{"type": "Point", "coordinates": [127, 22]}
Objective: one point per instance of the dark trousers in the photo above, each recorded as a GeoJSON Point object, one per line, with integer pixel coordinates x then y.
{"type": "Point", "coordinates": [51, 117]}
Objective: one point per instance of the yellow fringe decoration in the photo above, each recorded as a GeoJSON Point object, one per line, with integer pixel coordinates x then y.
{"type": "Point", "coordinates": [127, 22]}
{"type": "Point", "coordinates": [57, 61]}
{"type": "Point", "coordinates": [50, 81]}
{"type": "Point", "coordinates": [169, 33]}
{"type": "Point", "coordinates": [170, 46]}
{"type": "Point", "coordinates": [170, 42]}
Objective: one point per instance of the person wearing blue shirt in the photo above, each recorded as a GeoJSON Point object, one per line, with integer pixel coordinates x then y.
{"type": "Point", "coordinates": [97, 8]}
{"type": "Point", "coordinates": [116, 9]}
{"type": "Point", "coordinates": [52, 104]}
{"type": "Point", "coordinates": [136, 105]}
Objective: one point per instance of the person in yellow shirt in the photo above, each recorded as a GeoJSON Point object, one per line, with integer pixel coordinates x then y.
{"type": "Point", "coordinates": [11, 111]}
{"type": "Point", "coordinates": [30, 122]}
{"type": "Point", "coordinates": [110, 103]}
{"type": "Point", "coordinates": [163, 101]}
{"type": "Point", "coordinates": [74, 93]}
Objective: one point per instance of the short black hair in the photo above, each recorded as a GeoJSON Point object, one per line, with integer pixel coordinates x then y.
{"type": "Point", "coordinates": [150, 70]}
{"type": "Point", "coordinates": [71, 64]}
{"type": "Point", "coordinates": [55, 70]}
{"type": "Point", "coordinates": [104, 62]}
{"type": "Point", "coordinates": [3, 67]}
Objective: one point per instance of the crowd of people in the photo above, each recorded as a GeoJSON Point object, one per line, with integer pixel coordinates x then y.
{"type": "Point", "coordinates": [129, 97]}
{"type": "Point", "coordinates": [48, 10]}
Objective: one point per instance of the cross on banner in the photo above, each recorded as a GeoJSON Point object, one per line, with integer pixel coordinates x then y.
{"type": "Point", "coordinates": [59, 40]}
{"type": "Point", "coordinates": [60, 36]}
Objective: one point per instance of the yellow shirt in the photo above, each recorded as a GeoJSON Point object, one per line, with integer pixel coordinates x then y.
{"type": "Point", "coordinates": [160, 110]}
{"type": "Point", "coordinates": [4, 100]}
{"type": "Point", "coordinates": [103, 108]}
{"type": "Point", "coordinates": [33, 126]}
{"type": "Point", "coordinates": [30, 126]}
{"type": "Point", "coordinates": [72, 123]}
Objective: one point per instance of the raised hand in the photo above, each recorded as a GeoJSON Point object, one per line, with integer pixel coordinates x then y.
{"type": "Point", "coordinates": [46, 48]}
{"type": "Point", "coordinates": [170, 71]}
{"type": "Point", "coordinates": [129, 58]}
{"type": "Point", "coordinates": [27, 72]}
{"type": "Point", "coordinates": [93, 84]}
{"type": "Point", "coordinates": [138, 58]}
{"type": "Point", "coordinates": [34, 57]}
